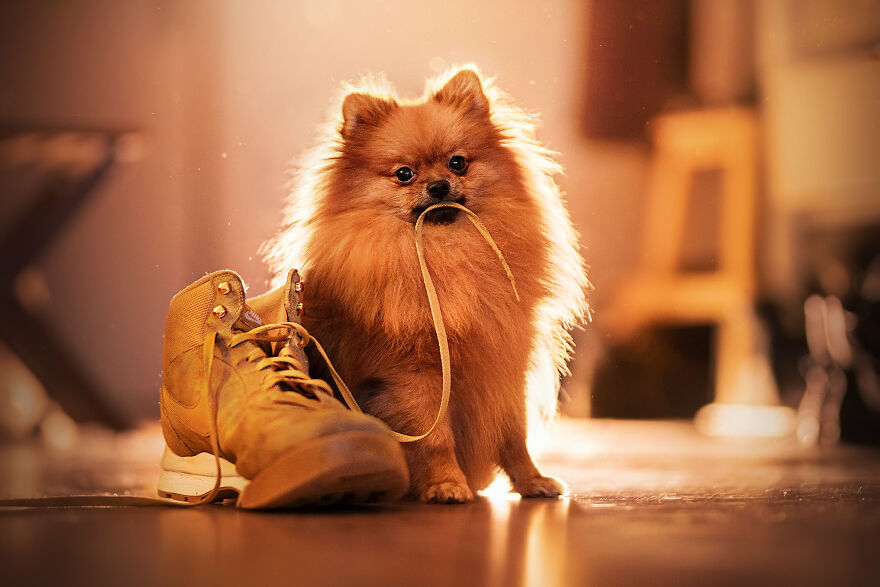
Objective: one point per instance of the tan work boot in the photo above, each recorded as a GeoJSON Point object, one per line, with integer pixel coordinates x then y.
{"type": "Point", "coordinates": [228, 392]}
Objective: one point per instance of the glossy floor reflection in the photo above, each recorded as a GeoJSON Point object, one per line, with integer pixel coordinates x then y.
{"type": "Point", "coordinates": [651, 504]}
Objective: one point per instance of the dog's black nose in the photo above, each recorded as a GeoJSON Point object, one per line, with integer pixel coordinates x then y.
{"type": "Point", "coordinates": [438, 189]}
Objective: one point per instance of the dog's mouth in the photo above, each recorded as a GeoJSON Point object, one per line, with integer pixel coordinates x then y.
{"type": "Point", "coordinates": [440, 215]}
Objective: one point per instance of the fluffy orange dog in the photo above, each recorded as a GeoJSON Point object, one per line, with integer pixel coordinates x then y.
{"type": "Point", "coordinates": [350, 228]}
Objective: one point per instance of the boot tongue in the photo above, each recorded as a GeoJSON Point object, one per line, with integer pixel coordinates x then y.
{"type": "Point", "coordinates": [247, 320]}
{"type": "Point", "coordinates": [283, 305]}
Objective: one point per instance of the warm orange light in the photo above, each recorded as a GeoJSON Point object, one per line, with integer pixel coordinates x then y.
{"type": "Point", "coordinates": [742, 420]}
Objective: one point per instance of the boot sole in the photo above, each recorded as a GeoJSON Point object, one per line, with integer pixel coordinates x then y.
{"type": "Point", "coordinates": [345, 468]}
{"type": "Point", "coordinates": [189, 478]}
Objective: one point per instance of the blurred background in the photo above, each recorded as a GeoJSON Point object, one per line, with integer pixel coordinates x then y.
{"type": "Point", "coordinates": [722, 169]}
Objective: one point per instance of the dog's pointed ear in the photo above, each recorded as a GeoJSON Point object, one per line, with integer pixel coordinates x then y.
{"type": "Point", "coordinates": [464, 89]}
{"type": "Point", "coordinates": [360, 110]}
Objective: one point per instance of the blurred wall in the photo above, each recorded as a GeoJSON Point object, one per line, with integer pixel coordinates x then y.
{"type": "Point", "coordinates": [819, 70]}
{"type": "Point", "coordinates": [117, 65]}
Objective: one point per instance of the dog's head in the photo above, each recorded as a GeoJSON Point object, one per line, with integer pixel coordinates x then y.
{"type": "Point", "coordinates": [399, 158]}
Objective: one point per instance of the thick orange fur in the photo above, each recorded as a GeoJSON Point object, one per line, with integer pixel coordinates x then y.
{"type": "Point", "coordinates": [350, 227]}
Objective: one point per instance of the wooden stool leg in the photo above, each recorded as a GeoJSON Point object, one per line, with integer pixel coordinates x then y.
{"type": "Point", "coordinates": [746, 399]}
{"type": "Point", "coordinates": [735, 343]}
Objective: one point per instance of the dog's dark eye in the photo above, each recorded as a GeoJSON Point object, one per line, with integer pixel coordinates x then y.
{"type": "Point", "coordinates": [457, 163]}
{"type": "Point", "coordinates": [404, 174]}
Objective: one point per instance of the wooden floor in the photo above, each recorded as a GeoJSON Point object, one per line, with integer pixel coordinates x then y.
{"type": "Point", "coordinates": [649, 504]}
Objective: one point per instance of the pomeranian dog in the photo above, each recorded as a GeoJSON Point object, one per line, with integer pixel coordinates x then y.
{"type": "Point", "coordinates": [350, 228]}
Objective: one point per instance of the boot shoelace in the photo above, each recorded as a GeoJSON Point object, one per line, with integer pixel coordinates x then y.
{"type": "Point", "coordinates": [280, 371]}
{"type": "Point", "coordinates": [284, 368]}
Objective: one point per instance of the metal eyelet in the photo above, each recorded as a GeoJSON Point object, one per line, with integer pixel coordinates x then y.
{"type": "Point", "coordinates": [219, 311]}
{"type": "Point", "coordinates": [298, 286]}
{"type": "Point", "coordinates": [223, 287]}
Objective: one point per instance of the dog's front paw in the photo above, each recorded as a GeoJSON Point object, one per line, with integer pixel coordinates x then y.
{"type": "Point", "coordinates": [539, 487]}
{"type": "Point", "coordinates": [447, 492]}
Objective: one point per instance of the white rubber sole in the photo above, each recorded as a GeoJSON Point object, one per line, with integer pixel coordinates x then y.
{"type": "Point", "coordinates": [189, 478]}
